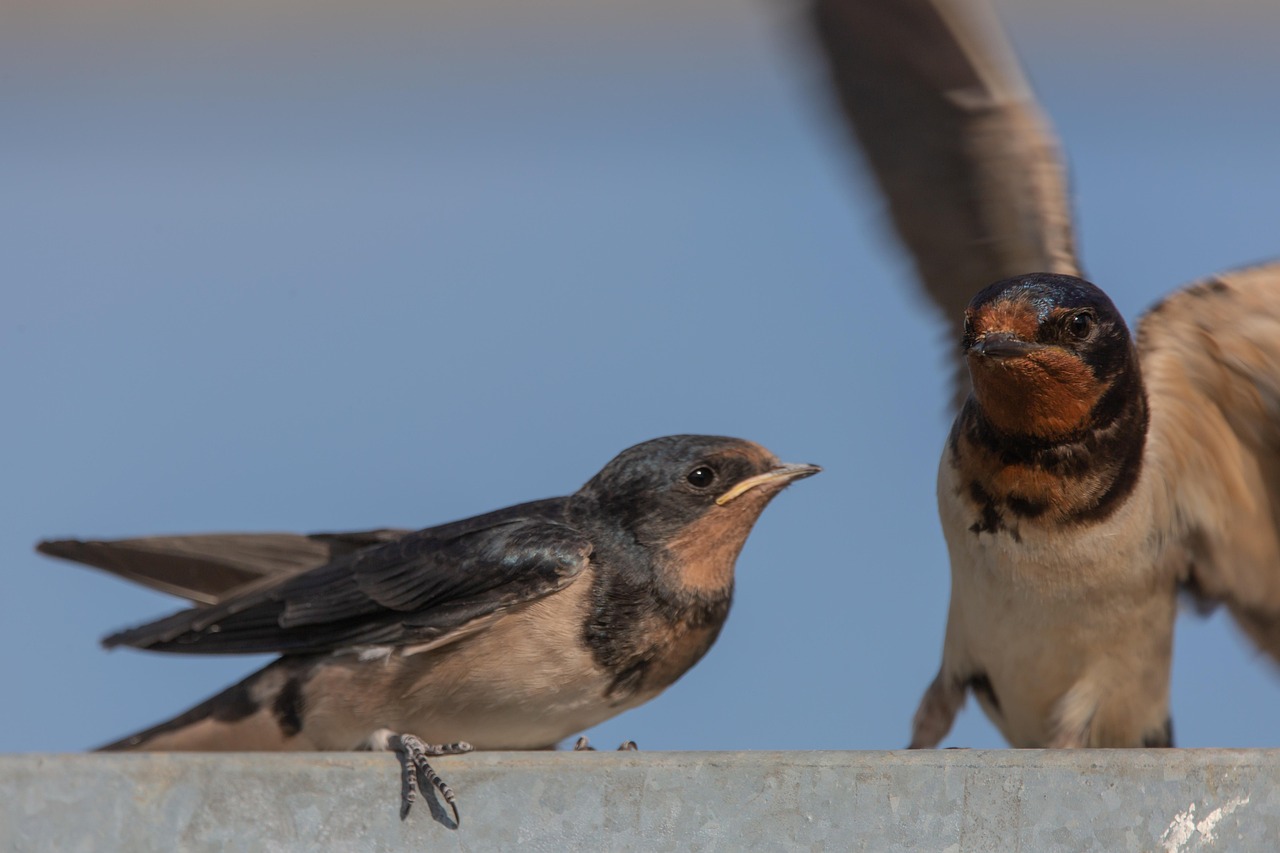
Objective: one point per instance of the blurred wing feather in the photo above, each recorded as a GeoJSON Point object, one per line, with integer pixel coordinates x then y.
{"type": "Point", "coordinates": [1211, 360]}
{"type": "Point", "coordinates": [968, 165]}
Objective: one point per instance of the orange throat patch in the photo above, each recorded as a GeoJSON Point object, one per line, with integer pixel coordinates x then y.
{"type": "Point", "coordinates": [706, 551]}
{"type": "Point", "coordinates": [1048, 393]}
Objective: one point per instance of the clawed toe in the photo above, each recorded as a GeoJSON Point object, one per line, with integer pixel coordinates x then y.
{"type": "Point", "coordinates": [415, 768]}
{"type": "Point", "coordinates": [584, 745]}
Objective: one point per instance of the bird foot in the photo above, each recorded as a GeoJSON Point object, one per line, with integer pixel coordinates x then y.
{"type": "Point", "coordinates": [412, 753]}
{"type": "Point", "coordinates": [584, 745]}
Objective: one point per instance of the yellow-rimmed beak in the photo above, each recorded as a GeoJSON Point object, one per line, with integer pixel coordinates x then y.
{"type": "Point", "coordinates": [784, 473]}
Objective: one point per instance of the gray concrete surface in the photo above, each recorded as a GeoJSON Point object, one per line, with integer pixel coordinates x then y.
{"type": "Point", "coordinates": [1169, 801]}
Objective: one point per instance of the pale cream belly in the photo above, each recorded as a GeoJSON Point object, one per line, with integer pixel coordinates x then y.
{"type": "Point", "coordinates": [526, 681]}
{"type": "Point", "coordinates": [1063, 658]}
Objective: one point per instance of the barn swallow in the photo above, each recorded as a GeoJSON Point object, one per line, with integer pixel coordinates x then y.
{"type": "Point", "coordinates": [1087, 480]}
{"type": "Point", "coordinates": [509, 630]}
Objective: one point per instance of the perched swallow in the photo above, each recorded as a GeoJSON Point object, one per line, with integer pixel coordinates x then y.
{"type": "Point", "coordinates": [510, 630]}
{"type": "Point", "coordinates": [1086, 480]}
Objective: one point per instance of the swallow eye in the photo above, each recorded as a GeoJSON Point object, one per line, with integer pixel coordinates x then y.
{"type": "Point", "coordinates": [701, 477]}
{"type": "Point", "coordinates": [1080, 325]}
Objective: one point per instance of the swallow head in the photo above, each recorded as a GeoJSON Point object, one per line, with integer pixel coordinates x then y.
{"type": "Point", "coordinates": [691, 498]}
{"type": "Point", "coordinates": [1044, 350]}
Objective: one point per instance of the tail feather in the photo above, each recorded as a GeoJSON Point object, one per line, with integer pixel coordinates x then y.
{"type": "Point", "coordinates": [260, 713]}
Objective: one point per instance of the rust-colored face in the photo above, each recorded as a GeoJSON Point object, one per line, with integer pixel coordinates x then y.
{"type": "Point", "coordinates": [1043, 352]}
{"type": "Point", "coordinates": [708, 545]}
{"type": "Point", "coordinates": [1045, 391]}
{"type": "Point", "coordinates": [695, 498]}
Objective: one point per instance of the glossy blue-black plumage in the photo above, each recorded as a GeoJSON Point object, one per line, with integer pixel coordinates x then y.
{"type": "Point", "coordinates": [433, 581]}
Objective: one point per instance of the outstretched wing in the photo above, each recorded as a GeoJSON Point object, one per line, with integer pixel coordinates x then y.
{"type": "Point", "coordinates": [1211, 360]}
{"type": "Point", "coordinates": [207, 568]}
{"type": "Point", "coordinates": [953, 135]}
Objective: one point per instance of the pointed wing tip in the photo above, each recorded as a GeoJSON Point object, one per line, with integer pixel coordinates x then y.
{"type": "Point", "coordinates": [133, 638]}
{"type": "Point", "coordinates": [119, 638]}
{"type": "Point", "coordinates": [67, 549]}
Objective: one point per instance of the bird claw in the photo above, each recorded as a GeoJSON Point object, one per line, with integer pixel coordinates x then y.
{"type": "Point", "coordinates": [413, 753]}
{"type": "Point", "coordinates": [584, 745]}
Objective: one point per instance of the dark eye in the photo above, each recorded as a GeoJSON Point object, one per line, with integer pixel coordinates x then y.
{"type": "Point", "coordinates": [701, 477]}
{"type": "Point", "coordinates": [1080, 325]}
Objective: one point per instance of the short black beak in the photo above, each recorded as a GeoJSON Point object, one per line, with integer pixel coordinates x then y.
{"type": "Point", "coordinates": [1001, 345]}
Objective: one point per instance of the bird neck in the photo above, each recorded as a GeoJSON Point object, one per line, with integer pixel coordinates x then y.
{"type": "Point", "coordinates": [1081, 476]}
{"type": "Point", "coordinates": [643, 628]}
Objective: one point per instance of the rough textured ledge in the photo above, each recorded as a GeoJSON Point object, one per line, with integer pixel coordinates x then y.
{"type": "Point", "coordinates": [956, 800]}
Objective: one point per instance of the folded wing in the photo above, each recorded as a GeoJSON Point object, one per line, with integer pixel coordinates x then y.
{"type": "Point", "coordinates": [418, 589]}
{"type": "Point", "coordinates": [1211, 360]}
{"type": "Point", "coordinates": [206, 568]}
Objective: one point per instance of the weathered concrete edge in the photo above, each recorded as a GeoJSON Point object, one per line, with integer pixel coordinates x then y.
{"type": "Point", "coordinates": [961, 800]}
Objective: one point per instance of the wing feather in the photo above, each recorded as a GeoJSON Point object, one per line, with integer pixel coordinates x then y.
{"type": "Point", "coordinates": [1211, 361]}
{"type": "Point", "coordinates": [206, 568]}
{"type": "Point", "coordinates": [966, 161]}
{"type": "Point", "coordinates": [411, 590]}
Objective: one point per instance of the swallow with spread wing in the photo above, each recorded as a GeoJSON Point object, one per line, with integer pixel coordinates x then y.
{"type": "Point", "coordinates": [1087, 479]}
{"type": "Point", "coordinates": [510, 630]}
{"type": "Point", "coordinates": [1085, 482]}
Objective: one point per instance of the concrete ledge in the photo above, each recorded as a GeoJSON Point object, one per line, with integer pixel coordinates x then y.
{"type": "Point", "coordinates": [956, 800]}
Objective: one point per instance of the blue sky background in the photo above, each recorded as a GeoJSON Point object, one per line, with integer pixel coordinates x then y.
{"type": "Point", "coordinates": [278, 267]}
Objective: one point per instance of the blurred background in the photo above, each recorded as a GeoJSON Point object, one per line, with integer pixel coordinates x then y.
{"type": "Point", "coordinates": [287, 265]}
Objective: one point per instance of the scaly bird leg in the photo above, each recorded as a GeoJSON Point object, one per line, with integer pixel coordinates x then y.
{"type": "Point", "coordinates": [937, 712]}
{"type": "Point", "coordinates": [412, 753]}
